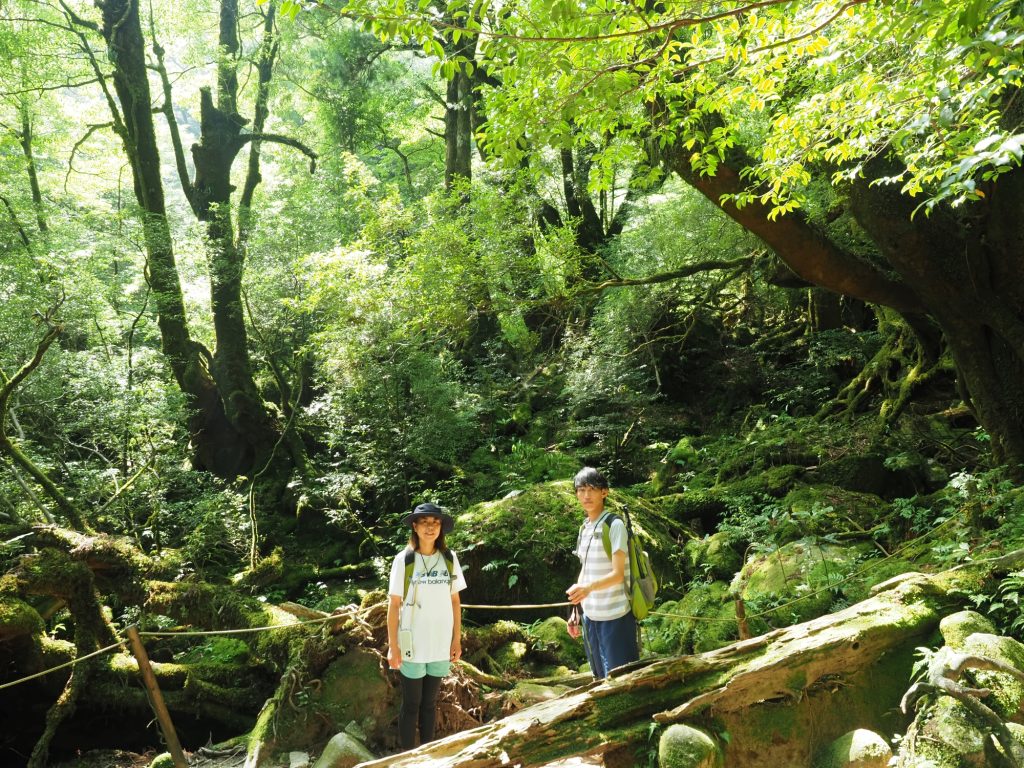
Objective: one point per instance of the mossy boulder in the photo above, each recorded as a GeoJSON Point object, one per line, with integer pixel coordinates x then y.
{"type": "Point", "coordinates": [771, 481]}
{"type": "Point", "coordinates": [680, 458]}
{"type": "Point", "coordinates": [799, 581]}
{"type": "Point", "coordinates": [1007, 695]}
{"type": "Point", "coordinates": [681, 746]}
{"type": "Point", "coordinates": [947, 732]}
{"type": "Point", "coordinates": [700, 509]}
{"type": "Point", "coordinates": [821, 509]}
{"type": "Point", "coordinates": [552, 643]}
{"type": "Point", "coordinates": [343, 751]}
{"type": "Point", "coordinates": [867, 473]}
{"type": "Point", "coordinates": [718, 556]}
{"type": "Point", "coordinates": [163, 760]}
{"type": "Point", "coordinates": [860, 748]}
{"type": "Point", "coordinates": [354, 689]}
{"type": "Point", "coordinates": [702, 620]}
{"type": "Point", "coordinates": [957, 627]}
{"type": "Point", "coordinates": [703, 508]}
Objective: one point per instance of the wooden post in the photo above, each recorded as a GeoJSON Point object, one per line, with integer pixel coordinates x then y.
{"type": "Point", "coordinates": [162, 715]}
{"type": "Point", "coordinates": [741, 619]}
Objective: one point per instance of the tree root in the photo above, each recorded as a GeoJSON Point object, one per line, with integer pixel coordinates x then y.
{"type": "Point", "coordinates": [944, 671]}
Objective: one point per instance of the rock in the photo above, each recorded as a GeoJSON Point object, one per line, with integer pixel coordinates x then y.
{"type": "Point", "coordinates": [672, 632]}
{"type": "Point", "coordinates": [956, 627]}
{"type": "Point", "coordinates": [857, 749]}
{"type": "Point", "coordinates": [946, 732]}
{"type": "Point", "coordinates": [1007, 695]}
{"type": "Point", "coordinates": [822, 509]}
{"type": "Point", "coordinates": [163, 760]}
{"type": "Point", "coordinates": [343, 751]}
{"type": "Point", "coordinates": [681, 746]}
{"type": "Point", "coordinates": [354, 689]}
{"type": "Point", "coordinates": [298, 760]}
{"type": "Point", "coordinates": [551, 638]}
{"type": "Point", "coordinates": [799, 576]}
{"type": "Point", "coordinates": [717, 556]}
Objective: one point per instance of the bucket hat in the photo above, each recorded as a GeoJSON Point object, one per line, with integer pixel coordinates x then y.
{"type": "Point", "coordinates": [430, 510]}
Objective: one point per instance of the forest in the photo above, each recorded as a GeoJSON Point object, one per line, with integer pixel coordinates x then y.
{"type": "Point", "coordinates": [275, 272]}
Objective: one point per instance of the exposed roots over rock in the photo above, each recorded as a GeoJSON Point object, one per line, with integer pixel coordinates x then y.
{"type": "Point", "coordinates": [945, 668]}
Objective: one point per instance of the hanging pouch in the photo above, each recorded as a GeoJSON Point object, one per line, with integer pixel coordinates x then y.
{"type": "Point", "coordinates": [405, 627]}
{"type": "Point", "coordinates": [573, 625]}
{"type": "Point", "coordinates": [405, 643]}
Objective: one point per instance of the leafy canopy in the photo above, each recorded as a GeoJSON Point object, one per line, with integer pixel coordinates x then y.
{"type": "Point", "coordinates": [800, 84]}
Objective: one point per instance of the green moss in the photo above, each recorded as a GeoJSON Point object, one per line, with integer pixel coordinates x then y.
{"type": "Point", "coordinates": [798, 581]}
{"type": "Point", "coordinates": [551, 642]}
{"type": "Point", "coordinates": [205, 605]}
{"type": "Point", "coordinates": [956, 627]}
{"type": "Point", "coordinates": [797, 681]}
{"type": "Point", "coordinates": [354, 689]}
{"type": "Point", "coordinates": [18, 618]}
{"type": "Point", "coordinates": [821, 509]}
{"type": "Point", "coordinates": [773, 481]}
{"type": "Point", "coordinates": [681, 746]}
{"type": "Point", "coordinates": [704, 619]}
{"type": "Point", "coordinates": [718, 556]}
{"type": "Point", "coordinates": [1007, 691]}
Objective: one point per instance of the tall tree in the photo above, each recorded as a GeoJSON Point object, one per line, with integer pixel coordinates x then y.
{"type": "Point", "coordinates": [231, 429]}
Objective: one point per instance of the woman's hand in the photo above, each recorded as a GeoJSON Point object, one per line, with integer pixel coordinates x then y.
{"type": "Point", "coordinates": [394, 657]}
{"type": "Point", "coordinates": [456, 649]}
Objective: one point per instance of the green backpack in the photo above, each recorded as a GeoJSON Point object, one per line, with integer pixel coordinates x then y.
{"type": "Point", "coordinates": [410, 561]}
{"type": "Point", "coordinates": [642, 585]}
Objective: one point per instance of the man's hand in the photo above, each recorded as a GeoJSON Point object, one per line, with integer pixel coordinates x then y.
{"type": "Point", "coordinates": [577, 592]}
{"type": "Point", "coordinates": [456, 649]}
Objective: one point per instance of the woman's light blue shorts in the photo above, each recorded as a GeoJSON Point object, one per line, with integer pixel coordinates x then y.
{"type": "Point", "coordinates": [415, 670]}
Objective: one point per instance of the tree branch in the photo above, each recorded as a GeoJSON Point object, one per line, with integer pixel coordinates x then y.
{"type": "Point", "coordinates": [71, 512]}
{"type": "Point", "coordinates": [17, 224]}
{"type": "Point", "coordinates": [664, 277]}
{"type": "Point", "coordinates": [286, 140]}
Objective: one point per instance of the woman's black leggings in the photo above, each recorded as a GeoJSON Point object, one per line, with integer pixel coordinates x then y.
{"type": "Point", "coordinates": [419, 704]}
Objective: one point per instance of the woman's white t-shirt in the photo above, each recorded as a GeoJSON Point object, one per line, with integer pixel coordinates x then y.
{"type": "Point", "coordinates": [430, 594]}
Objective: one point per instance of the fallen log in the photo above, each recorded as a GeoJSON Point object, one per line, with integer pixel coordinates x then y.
{"type": "Point", "coordinates": [777, 699]}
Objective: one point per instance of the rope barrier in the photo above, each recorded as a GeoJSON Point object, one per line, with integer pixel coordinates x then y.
{"type": "Point", "coordinates": [241, 631]}
{"type": "Point", "coordinates": [334, 616]}
{"type": "Point", "coordinates": [62, 666]}
{"type": "Point", "coordinates": [518, 607]}
{"type": "Point", "coordinates": [830, 586]}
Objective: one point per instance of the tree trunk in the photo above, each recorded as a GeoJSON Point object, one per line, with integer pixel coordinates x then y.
{"type": "Point", "coordinates": [25, 139]}
{"type": "Point", "coordinates": [963, 271]}
{"type": "Point", "coordinates": [458, 119]}
{"type": "Point", "coordinates": [578, 203]}
{"type": "Point", "coordinates": [217, 446]}
{"type": "Point", "coordinates": [966, 272]}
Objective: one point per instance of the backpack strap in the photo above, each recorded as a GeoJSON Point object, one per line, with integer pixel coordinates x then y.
{"type": "Point", "coordinates": [410, 561]}
{"type": "Point", "coordinates": [606, 534]}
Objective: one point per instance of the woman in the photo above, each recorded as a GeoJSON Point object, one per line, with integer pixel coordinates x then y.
{"type": "Point", "coordinates": [424, 619]}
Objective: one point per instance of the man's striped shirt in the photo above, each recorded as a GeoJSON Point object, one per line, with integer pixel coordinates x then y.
{"type": "Point", "coordinates": [601, 604]}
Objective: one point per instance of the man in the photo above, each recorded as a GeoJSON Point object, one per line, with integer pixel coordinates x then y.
{"type": "Point", "coordinates": [609, 629]}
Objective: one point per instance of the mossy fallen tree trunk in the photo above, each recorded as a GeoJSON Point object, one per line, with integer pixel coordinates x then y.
{"type": "Point", "coordinates": [781, 697]}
